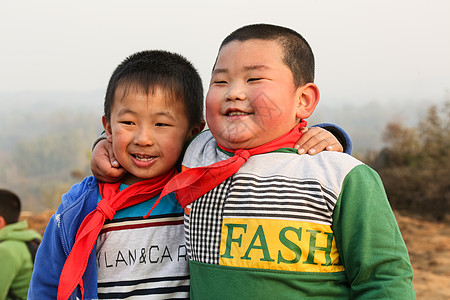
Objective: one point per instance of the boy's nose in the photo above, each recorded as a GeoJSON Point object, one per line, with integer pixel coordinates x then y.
{"type": "Point", "coordinates": [235, 92]}
{"type": "Point", "coordinates": [143, 138]}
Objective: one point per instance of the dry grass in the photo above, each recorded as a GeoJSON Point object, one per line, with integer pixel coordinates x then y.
{"type": "Point", "coordinates": [429, 250]}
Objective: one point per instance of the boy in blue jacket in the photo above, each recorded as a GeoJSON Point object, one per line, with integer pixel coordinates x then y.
{"type": "Point", "coordinates": [98, 245]}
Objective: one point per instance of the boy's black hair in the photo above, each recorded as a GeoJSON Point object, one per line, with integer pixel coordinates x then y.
{"type": "Point", "coordinates": [9, 206]}
{"type": "Point", "coordinates": [298, 55]}
{"type": "Point", "coordinates": [152, 69]}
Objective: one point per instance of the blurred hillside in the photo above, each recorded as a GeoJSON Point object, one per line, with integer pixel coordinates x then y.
{"type": "Point", "coordinates": [45, 142]}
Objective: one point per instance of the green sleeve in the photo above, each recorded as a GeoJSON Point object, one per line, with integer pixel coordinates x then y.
{"type": "Point", "coordinates": [10, 264]}
{"type": "Point", "coordinates": [369, 241]}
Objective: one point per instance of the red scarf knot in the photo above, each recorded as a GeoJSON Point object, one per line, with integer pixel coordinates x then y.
{"type": "Point", "coordinates": [245, 154]}
{"type": "Point", "coordinates": [106, 209]}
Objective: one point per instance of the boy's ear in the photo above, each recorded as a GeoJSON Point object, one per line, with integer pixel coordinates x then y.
{"type": "Point", "coordinates": [196, 130]}
{"type": "Point", "coordinates": [108, 130]}
{"type": "Point", "coordinates": [308, 98]}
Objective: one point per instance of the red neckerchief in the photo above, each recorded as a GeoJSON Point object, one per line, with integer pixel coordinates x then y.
{"type": "Point", "coordinates": [112, 201]}
{"type": "Point", "coordinates": [195, 182]}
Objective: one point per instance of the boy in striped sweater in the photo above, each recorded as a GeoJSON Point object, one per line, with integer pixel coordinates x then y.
{"type": "Point", "coordinates": [264, 223]}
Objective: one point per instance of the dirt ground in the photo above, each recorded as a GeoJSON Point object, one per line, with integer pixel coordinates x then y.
{"type": "Point", "coordinates": [429, 250]}
{"type": "Point", "coordinates": [428, 245]}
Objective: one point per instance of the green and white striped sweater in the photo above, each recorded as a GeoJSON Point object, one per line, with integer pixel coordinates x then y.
{"type": "Point", "coordinates": [287, 226]}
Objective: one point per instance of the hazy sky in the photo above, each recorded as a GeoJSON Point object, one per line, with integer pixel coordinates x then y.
{"type": "Point", "coordinates": [365, 50]}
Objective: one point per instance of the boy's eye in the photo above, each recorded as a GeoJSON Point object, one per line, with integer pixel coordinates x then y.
{"type": "Point", "coordinates": [127, 122]}
{"type": "Point", "coordinates": [254, 79]}
{"type": "Point", "coordinates": [161, 124]}
{"type": "Point", "coordinates": [220, 82]}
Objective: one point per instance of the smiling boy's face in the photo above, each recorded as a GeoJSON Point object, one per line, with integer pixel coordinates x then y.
{"type": "Point", "coordinates": [252, 98]}
{"type": "Point", "coordinates": [147, 132]}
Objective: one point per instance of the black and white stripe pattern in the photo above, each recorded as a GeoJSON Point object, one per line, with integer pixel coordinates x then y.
{"type": "Point", "coordinates": [149, 288]}
{"type": "Point", "coordinates": [279, 197]}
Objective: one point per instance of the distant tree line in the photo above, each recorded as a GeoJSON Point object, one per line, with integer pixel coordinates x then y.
{"type": "Point", "coordinates": [415, 165]}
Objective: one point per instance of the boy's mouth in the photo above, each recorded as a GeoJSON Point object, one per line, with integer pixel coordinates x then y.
{"type": "Point", "coordinates": [236, 113]}
{"type": "Point", "coordinates": [233, 113]}
{"type": "Point", "coordinates": [141, 157]}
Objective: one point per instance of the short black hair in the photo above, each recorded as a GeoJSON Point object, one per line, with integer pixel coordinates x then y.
{"type": "Point", "coordinates": [152, 69]}
{"type": "Point", "coordinates": [9, 206]}
{"type": "Point", "coordinates": [298, 55]}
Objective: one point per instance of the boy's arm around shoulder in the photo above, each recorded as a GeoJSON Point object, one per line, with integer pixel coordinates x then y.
{"type": "Point", "coordinates": [369, 241]}
{"type": "Point", "coordinates": [340, 134]}
{"type": "Point", "coordinates": [54, 248]}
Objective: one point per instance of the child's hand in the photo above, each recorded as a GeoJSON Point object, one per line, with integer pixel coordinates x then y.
{"type": "Point", "coordinates": [103, 163]}
{"type": "Point", "coordinates": [315, 140]}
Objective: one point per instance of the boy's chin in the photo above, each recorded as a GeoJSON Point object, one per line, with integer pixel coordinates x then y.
{"type": "Point", "coordinates": [130, 179]}
{"type": "Point", "coordinates": [236, 144]}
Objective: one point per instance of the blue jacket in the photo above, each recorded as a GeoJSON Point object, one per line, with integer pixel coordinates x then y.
{"type": "Point", "coordinates": [58, 240]}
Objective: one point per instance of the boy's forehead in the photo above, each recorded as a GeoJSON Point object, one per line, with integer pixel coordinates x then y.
{"type": "Point", "coordinates": [149, 94]}
{"type": "Point", "coordinates": [255, 52]}
{"type": "Point", "coordinates": [125, 90]}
